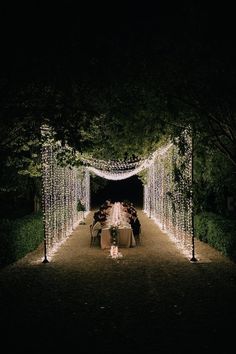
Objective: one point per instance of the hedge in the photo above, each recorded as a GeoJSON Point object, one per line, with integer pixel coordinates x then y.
{"type": "Point", "coordinates": [218, 232]}
{"type": "Point", "coordinates": [19, 237]}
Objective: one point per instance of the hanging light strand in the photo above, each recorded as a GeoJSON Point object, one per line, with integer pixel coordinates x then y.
{"type": "Point", "coordinates": [168, 192]}
{"type": "Point", "coordinates": [62, 188]}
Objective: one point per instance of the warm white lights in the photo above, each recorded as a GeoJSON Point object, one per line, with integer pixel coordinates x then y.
{"type": "Point", "coordinates": [167, 192]}
{"type": "Point", "coordinates": [117, 171]}
{"type": "Point", "coordinates": [62, 188]}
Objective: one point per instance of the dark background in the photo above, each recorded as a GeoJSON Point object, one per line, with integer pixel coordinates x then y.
{"type": "Point", "coordinates": [128, 189]}
{"type": "Point", "coordinates": [106, 48]}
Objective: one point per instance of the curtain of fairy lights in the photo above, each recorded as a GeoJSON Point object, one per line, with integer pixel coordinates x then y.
{"type": "Point", "coordinates": [168, 191]}
{"type": "Point", "coordinates": [83, 185]}
{"type": "Point", "coordinates": [62, 188]}
{"type": "Point", "coordinates": [115, 171]}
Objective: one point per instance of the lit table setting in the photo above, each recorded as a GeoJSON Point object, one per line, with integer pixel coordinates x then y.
{"type": "Point", "coordinates": [118, 219]}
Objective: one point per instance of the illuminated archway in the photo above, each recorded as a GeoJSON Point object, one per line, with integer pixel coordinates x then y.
{"type": "Point", "coordinates": [167, 189]}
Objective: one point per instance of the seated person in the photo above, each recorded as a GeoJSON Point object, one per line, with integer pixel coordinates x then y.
{"type": "Point", "coordinates": [99, 215]}
{"type": "Point", "coordinates": [128, 216]}
{"type": "Point", "coordinates": [96, 216]}
{"type": "Point", "coordinates": [97, 229]}
{"type": "Point", "coordinates": [135, 224]}
{"type": "Point", "coordinates": [108, 203]}
{"type": "Point", "coordinates": [103, 214]}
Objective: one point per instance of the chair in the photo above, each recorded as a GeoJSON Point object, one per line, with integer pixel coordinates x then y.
{"type": "Point", "coordinates": [92, 237]}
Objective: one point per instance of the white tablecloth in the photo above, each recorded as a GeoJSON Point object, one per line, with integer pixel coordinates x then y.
{"type": "Point", "coordinates": [125, 238]}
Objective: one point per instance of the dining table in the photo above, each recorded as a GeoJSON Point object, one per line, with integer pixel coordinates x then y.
{"type": "Point", "coordinates": [120, 219]}
{"type": "Point", "coordinates": [125, 238]}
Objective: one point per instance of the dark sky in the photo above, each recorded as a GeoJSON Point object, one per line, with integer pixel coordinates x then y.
{"type": "Point", "coordinates": [37, 34]}
{"type": "Point", "coordinates": [128, 189]}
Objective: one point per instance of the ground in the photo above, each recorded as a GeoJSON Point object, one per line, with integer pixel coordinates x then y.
{"type": "Point", "coordinates": [152, 299]}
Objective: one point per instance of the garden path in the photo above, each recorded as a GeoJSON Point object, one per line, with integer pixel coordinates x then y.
{"type": "Point", "coordinates": [153, 298]}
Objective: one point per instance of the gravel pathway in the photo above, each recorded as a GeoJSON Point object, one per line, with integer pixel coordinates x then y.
{"type": "Point", "coordinates": [152, 299]}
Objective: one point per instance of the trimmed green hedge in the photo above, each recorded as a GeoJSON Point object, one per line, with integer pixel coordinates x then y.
{"type": "Point", "coordinates": [19, 237]}
{"type": "Point", "coordinates": [219, 232]}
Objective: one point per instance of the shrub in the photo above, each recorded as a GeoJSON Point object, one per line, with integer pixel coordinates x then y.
{"type": "Point", "coordinates": [19, 237]}
{"type": "Point", "coordinates": [201, 227]}
{"type": "Point", "coordinates": [218, 231]}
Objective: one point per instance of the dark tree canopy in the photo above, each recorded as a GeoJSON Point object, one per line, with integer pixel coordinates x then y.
{"type": "Point", "coordinates": [114, 81]}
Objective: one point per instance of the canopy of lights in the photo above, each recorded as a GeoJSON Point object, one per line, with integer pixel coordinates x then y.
{"type": "Point", "coordinates": [167, 190]}
{"type": "Point", "coordinates": [118, 170]}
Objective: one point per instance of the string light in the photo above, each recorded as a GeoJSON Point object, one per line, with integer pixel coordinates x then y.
{"type": "Point", "coordinates": [119, 172]}
{"type": "Point", "coordinates": [167, 192]}
{"type": "Point", "coordinates": [62, 188]}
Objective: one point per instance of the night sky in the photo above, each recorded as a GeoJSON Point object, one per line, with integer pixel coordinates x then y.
{"type": "Point", "coordinates": [128, 189]}
{"type": "Point", "coordinates": [38, 40]}
{"type": "Point", "coordinates": [110, 43]}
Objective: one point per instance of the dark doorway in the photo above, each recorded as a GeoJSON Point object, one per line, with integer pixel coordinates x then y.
{"type": "Point", "coordinates": [127, 189]}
